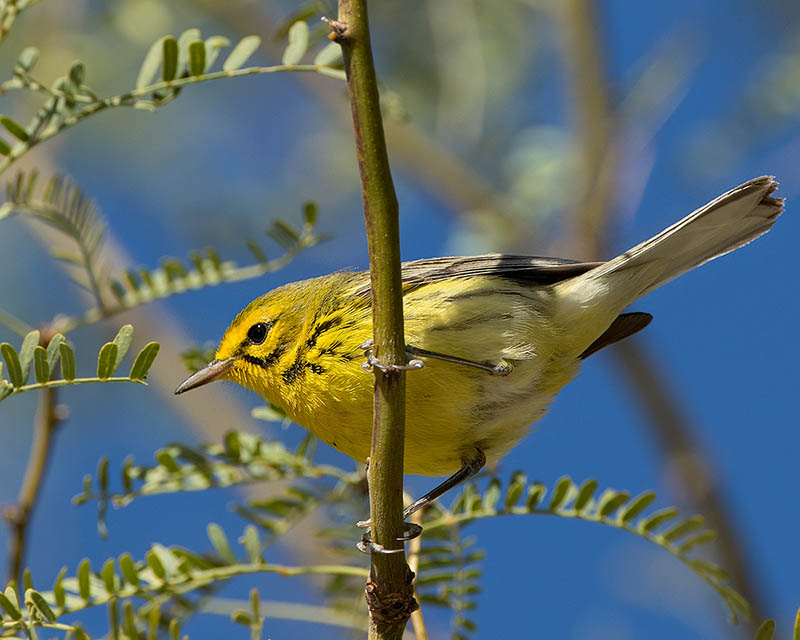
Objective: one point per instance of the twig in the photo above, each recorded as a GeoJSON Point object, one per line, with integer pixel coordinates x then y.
{"type": "Point", "coordinates": [137, 96]}
{"type": "Point", "coordinates": [10, 13]}
{"type": "Point", "coordinates": [52, 384]}
{"type": "Point", "coordinates": [695, 471]}
{"type": "Point", "coordinates": [594, 124]}
{"type": "Point", "coordinates": [14, 324]}
{"type": "Point", "coordinates": [669, 423]}
{"type": "Point", "coordinates": [18, 516]}
{"type": "Point", "coordinates": [389, 592]}
{"type": "Point", "coordinates": [180, 584]}
{"type": "Point", "coordinates": [414, 548]}
{"type": "Point", "coordinates": [289, 611]}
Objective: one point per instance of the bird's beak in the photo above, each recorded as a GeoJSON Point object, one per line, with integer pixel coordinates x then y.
{"type": "Point", "coordinates": [214, 370]}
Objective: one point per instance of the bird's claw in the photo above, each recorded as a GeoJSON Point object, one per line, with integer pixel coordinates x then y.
{"type": "Point", "coordinates": [373, 363]}
{"type": "Point", "coordinates": [368, 545]}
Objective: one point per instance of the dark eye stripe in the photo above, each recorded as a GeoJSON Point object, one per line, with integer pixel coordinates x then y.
{"type": "Point", "coordinates": [256, 361]}
{"type": "Point", "coordinates": [269, 359]}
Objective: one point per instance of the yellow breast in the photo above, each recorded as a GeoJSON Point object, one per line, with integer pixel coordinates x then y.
{"type": "Point", "coordinates": [451, 408]}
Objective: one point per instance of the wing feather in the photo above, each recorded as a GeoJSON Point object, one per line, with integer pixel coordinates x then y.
{"type": "Point", "coordinates": [527, 270]}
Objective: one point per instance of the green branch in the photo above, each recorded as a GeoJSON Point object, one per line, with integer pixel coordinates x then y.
{"type": "Point", "coordinates": [53, 384]}
{"type": "Point", "coordinates": [142, 286]}
{"type": "Point", "coordinates": [390, 577]}
{"type": "Point", "coordinates": [184, 62]}
{"type": "Point", "coordinates": [10, 12]}
{"type": "Point", "coordinates": [290, 611]}
{"type": "Point", "coordinates": [135, 99]}
{"type": "Point", "coordinates": [63, 206]}
{"type": "Point", "coordinates": [43, 361]}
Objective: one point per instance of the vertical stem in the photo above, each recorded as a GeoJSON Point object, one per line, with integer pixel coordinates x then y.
{"type": "Point", "coordinates": [18, 516]}
{"type": "Point", "coordinates": [593, 122]}
{"type": "Point", "coordinates": [389, 592]}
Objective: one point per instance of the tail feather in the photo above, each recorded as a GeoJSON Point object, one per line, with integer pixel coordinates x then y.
{"type": "Point", "coordinates": [724, 224]}
{"type": "Point", "coordinates": [591, 302]}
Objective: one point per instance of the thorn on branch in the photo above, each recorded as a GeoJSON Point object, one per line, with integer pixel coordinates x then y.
{"type": "Point", "coordinates": [13, 515]}
{"type": "Point", "coordinates": [339, 32]}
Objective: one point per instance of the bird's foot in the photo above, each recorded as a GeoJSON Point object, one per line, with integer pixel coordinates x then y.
{"type": "Point", "coordinates": [373, 363]}
{"type": "Point", "coordinates": [368, 545]}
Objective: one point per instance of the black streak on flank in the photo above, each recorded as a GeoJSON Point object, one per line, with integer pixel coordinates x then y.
{"type": "Point", "coordinates": [295, 371]}
{"type": "Point", "coordinates": [331, 352]}
{"type": "Point", "coordinates": [298, 369]}
{"type": "Point", "coordinates": [321, 328]}
{"type": "Point", "coordinates": [316, 368]}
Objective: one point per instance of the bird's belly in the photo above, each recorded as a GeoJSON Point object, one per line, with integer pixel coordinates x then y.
{"type": "Point", "coordinates": [454, 408]}
{"type": "Point", "coordinates": [451, 409]}
{"type": "Point", "coordinates": [486, 412]}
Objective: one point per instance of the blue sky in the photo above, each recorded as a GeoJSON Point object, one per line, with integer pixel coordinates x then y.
{"type": "Point", "coordinates": [217, 165]}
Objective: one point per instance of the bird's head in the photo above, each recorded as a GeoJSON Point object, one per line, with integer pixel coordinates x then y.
{"type": "Point", "coordinates": [255, 342]}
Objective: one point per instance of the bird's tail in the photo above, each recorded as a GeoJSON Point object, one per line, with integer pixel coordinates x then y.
{"type": "Point", "coordinates": [724, 224]}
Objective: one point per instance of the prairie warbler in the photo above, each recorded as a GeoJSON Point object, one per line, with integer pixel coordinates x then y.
{"type": "Point", "coordinates": [499, 335]}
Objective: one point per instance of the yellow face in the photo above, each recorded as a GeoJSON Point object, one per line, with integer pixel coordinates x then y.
{"type": "Point", "coordinates": [279, 336]}
{"type": "Point", "coordinates": [259, 338]}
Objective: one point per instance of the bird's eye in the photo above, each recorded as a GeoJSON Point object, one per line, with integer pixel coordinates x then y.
{"type": "Point", "coordinates": [258, 333]}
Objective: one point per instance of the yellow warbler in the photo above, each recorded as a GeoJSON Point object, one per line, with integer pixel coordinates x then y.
{"type": "Point", "coordinates": [499, 335]}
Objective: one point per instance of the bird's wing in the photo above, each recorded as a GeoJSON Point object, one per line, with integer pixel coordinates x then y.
{"type": "Point", "coordinates": [530, 270]}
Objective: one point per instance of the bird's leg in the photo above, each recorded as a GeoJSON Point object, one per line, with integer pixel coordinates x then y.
{"type": "Point", "coordinates": [495, 369]}
{"type": "Point", "coordinates": [373, 362]}
{"type": "Point", "coordinates": [410, 530]}
{"type": "Point", "coordinates": [469, 467]}
{"type": "Point", "coordinates": [414, 362]}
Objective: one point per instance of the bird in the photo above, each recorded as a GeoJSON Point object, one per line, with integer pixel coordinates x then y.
{"type": "Point", "coordinates": [499, 335]}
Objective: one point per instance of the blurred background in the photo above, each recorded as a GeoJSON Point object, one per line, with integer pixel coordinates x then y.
{"type": "Point", "coordinates": [548, 127]}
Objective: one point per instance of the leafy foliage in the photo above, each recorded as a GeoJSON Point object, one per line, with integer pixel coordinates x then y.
{"type": "Point", "coordinates": [164, 573]}
{"type": "Point", "coordinates": [766, 631]}
{"type": "Point", "coordinates": [449, 575]}
{"type": "Point", "coordinates": [195, 358]}
{"type": "Point", "coordinates": [63, 205]}
{"type": "Point", "coordinates": [242, 458]}
{"type": "Point", "coordinates": [449, 569]}
{"type": "Point", "coordinates": [252, 618]}
{"type": "Point", "coordinates": [44, 358]}
{"type": "Point", "coordinates": [170, 65]}
{"type": "Point", "coordinates": [143, 285]}
{"type": "Point", "coordinates": [611, 508]}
